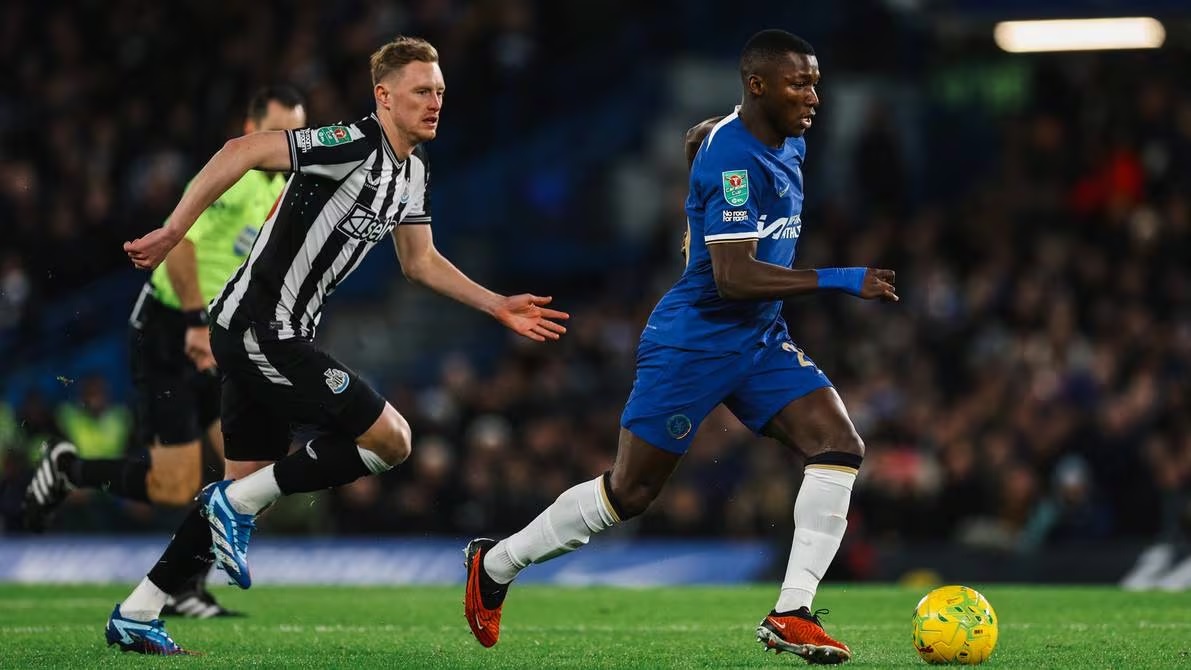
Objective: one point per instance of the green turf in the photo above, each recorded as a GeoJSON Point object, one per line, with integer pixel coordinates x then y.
{"type": "Point", "coordinates": [547, 627]}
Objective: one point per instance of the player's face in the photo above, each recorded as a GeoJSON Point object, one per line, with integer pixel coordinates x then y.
{"type": "Point", "coordinates": [412, 97]}
{"type": "Point", "coordinates": [790, 97]}
{"type": "Point", "coordinates": [278, 117]}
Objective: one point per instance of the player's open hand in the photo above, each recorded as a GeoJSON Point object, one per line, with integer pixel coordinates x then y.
{"type": "Point", "coordinates": [879, 284]}
{"type": "Point", "coordinates": [147, 252]}
{"type": "Point", "coordinates": [527, 315]}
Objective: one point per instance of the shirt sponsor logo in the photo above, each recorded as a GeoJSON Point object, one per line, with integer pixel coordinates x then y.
{"type": "Point", "coordinates": [363, 224]}
{"type": "Point", "coordinates": [735, 215]}
{"type": "Point", "coordinates": [785, 228]}
{"type": "Point", "coordinates": [302, 137]}
{"type": "Point", "coordinates": [329, 136]}
{"type": "Point", "coordinates": [736, 186]}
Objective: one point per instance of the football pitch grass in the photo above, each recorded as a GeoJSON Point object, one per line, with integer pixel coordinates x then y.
{"type": "Point", "coordinates": [556, 627]}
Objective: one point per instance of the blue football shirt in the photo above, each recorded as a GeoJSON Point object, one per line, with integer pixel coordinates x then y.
{"type": "Point", "coordinates": [740, 189]}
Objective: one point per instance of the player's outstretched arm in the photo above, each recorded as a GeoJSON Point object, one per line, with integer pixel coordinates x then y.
{"type": "Point", "coordinates": [740, 276]}
{"type": "Point", "coordinates": [264, 150]}
{"type": "Point", "coordinates": [525, 314]}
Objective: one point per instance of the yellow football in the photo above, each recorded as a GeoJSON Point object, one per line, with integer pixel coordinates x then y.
{"type": "Point", "coordinates": [954, 624]}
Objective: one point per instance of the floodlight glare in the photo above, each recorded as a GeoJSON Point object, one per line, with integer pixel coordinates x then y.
{"type": "Point", "coordinates": [1079, 34]}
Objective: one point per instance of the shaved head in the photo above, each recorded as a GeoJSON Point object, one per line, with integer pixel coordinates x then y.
{"type": "Point", "coordinates": [768, 48]}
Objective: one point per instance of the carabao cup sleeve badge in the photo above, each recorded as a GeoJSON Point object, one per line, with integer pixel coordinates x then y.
{"type": "Point", "coordinates": [736, 187]}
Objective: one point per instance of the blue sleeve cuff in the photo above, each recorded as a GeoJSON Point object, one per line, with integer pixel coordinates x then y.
{"type": "Point", "coordinates": [843, 279]}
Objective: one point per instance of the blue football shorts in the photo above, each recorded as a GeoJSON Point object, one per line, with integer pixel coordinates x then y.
{"type": "Point", "coordinates": [676, 389]}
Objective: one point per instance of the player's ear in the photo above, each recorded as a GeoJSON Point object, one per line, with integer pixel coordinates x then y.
{"type": "Point", "coordinates": [382, 95]}
{"type": "Point", "coordinates": [756, 85]}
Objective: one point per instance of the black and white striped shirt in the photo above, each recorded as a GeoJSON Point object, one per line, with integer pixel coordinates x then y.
{"type": "Point", "coordinates": [347, 192]}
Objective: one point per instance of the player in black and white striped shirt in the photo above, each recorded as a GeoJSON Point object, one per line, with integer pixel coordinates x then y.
{"type": "Point", "coordinates": [349, 190]}
{"type": "Point", "coordinates": [351, 185]}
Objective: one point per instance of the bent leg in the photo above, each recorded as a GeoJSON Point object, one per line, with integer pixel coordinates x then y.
{"type": "Point", "coordinates": [673, 392]}
{"type": "Point", "coordinates": [326, 462]}
{"type": "Point", "coordinates": [363, 433]}
{"type": "Point", "coordinates": [581, 511]}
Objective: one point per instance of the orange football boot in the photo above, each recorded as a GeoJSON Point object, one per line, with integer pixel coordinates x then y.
{"type": "Point", "coordinates": [800, 632]}
{"type": "Point", "coordinates": [485, 596]}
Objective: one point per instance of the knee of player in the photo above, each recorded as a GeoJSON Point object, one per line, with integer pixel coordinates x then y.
{"type": "Point", "coordinates": [396, 439]}
{"type": "Point", "coordinates": [849, 442]}
{"type": "Point", "coordinates": [632, 500]}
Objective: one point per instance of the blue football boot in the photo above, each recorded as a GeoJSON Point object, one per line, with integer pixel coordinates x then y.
{"type": "Point", "coordinates": [230, 532]}
{"type": "Point", "coordinates": [140, 636]}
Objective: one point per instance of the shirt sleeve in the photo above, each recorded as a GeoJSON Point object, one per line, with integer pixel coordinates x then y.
{"type": "Point", "coordinates": [727, 181]}
{"type": "Point", "coordinates": [419, 198]}
{"type": "Point", "coordinates": [331, 151]}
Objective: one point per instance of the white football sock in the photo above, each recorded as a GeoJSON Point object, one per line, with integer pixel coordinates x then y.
{"type": "Point", "coordinates": [820, 518]}
{"type": "Point", "coordinates": [144, 603]}
{"type": "Point", "coordinates": [255, 492]}
{"type": "Point", "coordinates": [567, 524]}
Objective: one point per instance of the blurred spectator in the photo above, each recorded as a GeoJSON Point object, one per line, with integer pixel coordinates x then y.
{"type": "Point", "coordinates": [1072, 510]}
{"type": "Point", "coordinates": [15, 291]}
{"type": "Point", "coordinates": [37, 425]}
{"type": "Point", "coordinates": [97, 427]}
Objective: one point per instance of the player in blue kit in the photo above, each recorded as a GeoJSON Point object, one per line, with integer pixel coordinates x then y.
{"type": "Point", "coordinates": [718, 336]}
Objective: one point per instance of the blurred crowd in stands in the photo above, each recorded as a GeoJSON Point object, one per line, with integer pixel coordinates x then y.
{"type": "Point", "coordinates": [1032, 386]}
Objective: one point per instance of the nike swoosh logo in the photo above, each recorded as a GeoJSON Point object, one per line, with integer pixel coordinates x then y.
{"type": "Point", "coordinates": [777, 623]}
{"type": "Point", "coordinates": [771, 228]}
{"type": "Point", "coordinates": [783, 192]}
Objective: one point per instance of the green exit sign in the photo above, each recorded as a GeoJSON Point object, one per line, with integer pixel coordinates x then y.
{"type": "Point", "coordinates": [999, 87]}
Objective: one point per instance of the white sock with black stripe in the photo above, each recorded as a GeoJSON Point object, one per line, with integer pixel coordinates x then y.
{"type": "Point", "coordinates": [820, 519]}
{"type": "Point", "coordinates": [567, 524]}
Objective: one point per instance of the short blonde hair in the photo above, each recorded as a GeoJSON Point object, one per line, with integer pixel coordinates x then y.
{"type": "Point", "coordinates": [399, 53]}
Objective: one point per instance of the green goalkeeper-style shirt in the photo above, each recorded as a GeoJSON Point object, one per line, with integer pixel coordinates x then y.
{"type": "Point", "coordinates": [223, 235]}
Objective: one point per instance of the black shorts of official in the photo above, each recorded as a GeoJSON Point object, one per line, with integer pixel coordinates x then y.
{"type": "Point", "coordinates": [271, 386]}
{"type": "Point", "coordinates": [174, 403]}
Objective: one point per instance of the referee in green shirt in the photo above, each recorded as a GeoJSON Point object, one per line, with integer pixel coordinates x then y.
{"type": "Point", "coordinates": [173, 371]}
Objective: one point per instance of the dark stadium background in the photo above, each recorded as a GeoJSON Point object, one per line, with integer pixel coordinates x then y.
{"type": "Point", "coordinates": [1026, 407]}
